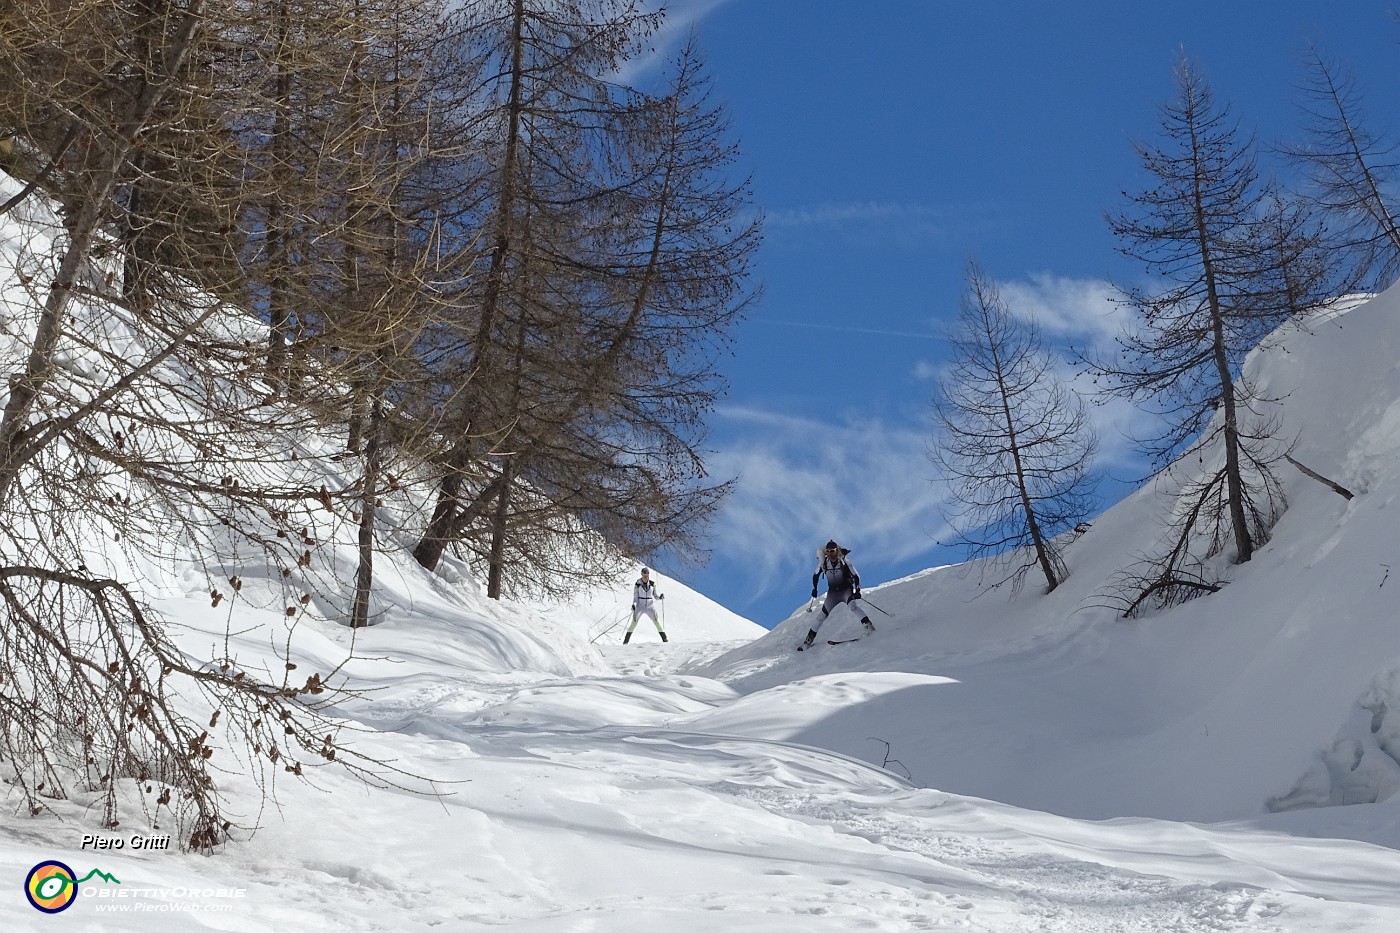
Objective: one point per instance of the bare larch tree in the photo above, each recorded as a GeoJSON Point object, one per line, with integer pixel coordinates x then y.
{"type": "Point", "coordinates": [1013, 439]}
{"type": "Point", "coordinates": [615, 266]}
{"type": "Point", "coordinates": [1232, 260]}
{"type": "Point", "coordinates": [1350, 173]}
{"type": "Point", "coordinates": [137, 431]}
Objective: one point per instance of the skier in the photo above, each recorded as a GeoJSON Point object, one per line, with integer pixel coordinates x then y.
{"type": "Point", "coordinates": [643, 596]}
{"type": "Point", "coordinates": [842, 586]}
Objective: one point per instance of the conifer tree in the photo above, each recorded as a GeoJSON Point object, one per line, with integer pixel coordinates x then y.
{"type": "Point", "coordinates": [137, 429]}
{"type": "Point", "coordinates": [1014, 441]}
{"type": "Point", "coordinates": [1232, 260]}
{"type": "Point", "coordinates": [616, 261]}
{"type": "Point", "coordinates": [1350, 172]}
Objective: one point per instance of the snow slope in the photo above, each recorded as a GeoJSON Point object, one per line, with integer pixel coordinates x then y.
{"type": "Point", "coordinates": [981, 763]}
{"type": "Point", "coordinates": [1207, 712]}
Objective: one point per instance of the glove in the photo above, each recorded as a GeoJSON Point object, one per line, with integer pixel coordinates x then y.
{"type": "Point", "coordinates": [856, 594]}
{"type": "Point", "coordinates": [660, 595]}
{"type": "Point", "coordinates": [634, 607]}
{"type": "Point", "coordinates": [814, 592]}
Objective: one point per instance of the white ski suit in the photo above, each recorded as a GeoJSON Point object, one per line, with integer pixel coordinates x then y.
{"type": "Point", "coordinates": [644, 598]}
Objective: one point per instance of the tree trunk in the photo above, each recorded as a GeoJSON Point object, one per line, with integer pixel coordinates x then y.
{"type": "Point", "coordinates": [369, 502]}
{"type": "Point", "coordinates": [446, 511]}
{"type": "Point", "coordinates": [496, 568]}
{"type": "Point", "coordinates": [1234, 482]}
{"type": "Point", "coordinates": [1042, 550]}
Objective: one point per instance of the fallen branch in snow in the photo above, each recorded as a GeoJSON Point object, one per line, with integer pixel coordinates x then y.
{"type": "Point", "coordinates": [891, 761]}
{"type": "Point", "coordinates": [1335, 487]}
{"type": "Point", "coordinates": [1167, 584]}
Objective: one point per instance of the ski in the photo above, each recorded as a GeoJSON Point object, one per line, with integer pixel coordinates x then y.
{"type": "Point", "coordinates": [839, 641]}
{"type": "Point", "coordinates": [869, 630]}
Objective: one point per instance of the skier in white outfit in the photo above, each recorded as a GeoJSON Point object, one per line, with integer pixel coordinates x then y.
{"type": "Point", "coordinates": [644, 598]}
{"type": "Point", "coordinates": [842, 586]}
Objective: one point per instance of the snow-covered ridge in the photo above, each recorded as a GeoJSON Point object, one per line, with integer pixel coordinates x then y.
{"type": "Point", "coordinates": [1215, 710]}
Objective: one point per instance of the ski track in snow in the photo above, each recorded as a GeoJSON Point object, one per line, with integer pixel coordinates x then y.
{"type": "Point", "coordinates": [566, 822]}
{"type": "Point", "coordinates": [643, 658]}
{"type": "Point", "coordinates": [1049, 893]}
{"type": "Point", "coordinates": [882, 858]}
{"type": "Point", "coordinates": [902, 870]}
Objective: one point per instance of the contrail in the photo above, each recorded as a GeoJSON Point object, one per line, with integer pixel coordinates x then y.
{"type": "Point", "coordinates": [848, 329]}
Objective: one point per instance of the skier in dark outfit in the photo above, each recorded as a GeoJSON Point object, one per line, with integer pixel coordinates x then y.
{"type": "Point", "coordinates": [842, 586]}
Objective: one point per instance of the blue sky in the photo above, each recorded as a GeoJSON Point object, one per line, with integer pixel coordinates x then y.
{"type": "Point", "coordinates": [889, 142]}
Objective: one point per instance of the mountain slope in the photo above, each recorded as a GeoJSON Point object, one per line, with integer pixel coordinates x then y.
{"type": "Point", "coordinates": [1209, 711]}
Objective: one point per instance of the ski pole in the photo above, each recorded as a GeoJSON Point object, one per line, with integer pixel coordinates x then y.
{"type": "Point", "coordinates": [873, 606]}
{"type": "Point", "coordinates": [605, 631]}
{"type": "Point", "coordinates": [812, 605]}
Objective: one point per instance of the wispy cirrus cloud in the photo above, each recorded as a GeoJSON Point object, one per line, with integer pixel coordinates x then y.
{"type": "Point", "coordinates": [680, 20]}
{"type": "Point", "coordinates": [868, 484]}
{"type": "Point", "coordinates": [860, 212]}
{"type": "Point", "coordinates": [1078, 316]}
{"type": "Point", "coordinates": [886, 221]}
{"type": "Point", "coordinates": [682, 16]}
{"type": "Point", "coordinates": [1081, 318]}
{"type": "Point", "coordinates": [1075, 315]}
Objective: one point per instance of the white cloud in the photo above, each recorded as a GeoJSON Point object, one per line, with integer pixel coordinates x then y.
{"type": "Point", "coordinates": [925, 371]}
{"type": "Point", "coordinates": [868, 484]}
{"type": "Point", "coordinates": [1080, 314]}
{"type": "Point", "coordinates": [1117, 422]}
{"type": "Point", "coordinates": [681, 16]}
{"type": "Point", "coordinates": [1078, 309]}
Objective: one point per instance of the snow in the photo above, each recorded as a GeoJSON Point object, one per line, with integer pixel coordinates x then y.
{"type": "Point", "coordinates": [982, 762]}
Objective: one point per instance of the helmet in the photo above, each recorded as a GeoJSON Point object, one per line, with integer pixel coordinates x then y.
{"type": "Point", "coordinates": [831, 546]}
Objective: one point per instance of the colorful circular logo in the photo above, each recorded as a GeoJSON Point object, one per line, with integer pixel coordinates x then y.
{"type": "Point", "coordinates": [51, 887]}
